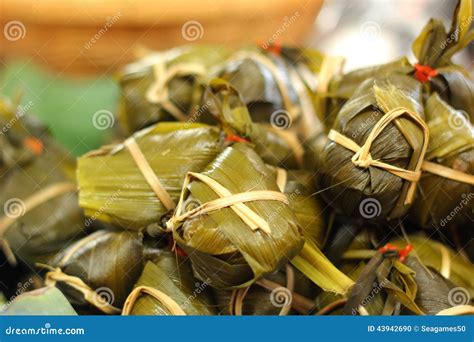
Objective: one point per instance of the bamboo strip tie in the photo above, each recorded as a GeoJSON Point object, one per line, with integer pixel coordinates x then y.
{"type": "Point", "coordinates": [447, 172]}
{"type": "Point", "coordinates": [158, 92]}
{"type": "Point", "coordinates": [33, 201]}
{"type": "Point", "coordinates": [167, 301]}
{"type": "Point", "coordinates": [149, 174]}
{"type": "Point", "coordinates": [362, 157]}
{"type": "Point", "coordinates": [227, 199]}
{"type": "Point", "coordinates": [94, 298]}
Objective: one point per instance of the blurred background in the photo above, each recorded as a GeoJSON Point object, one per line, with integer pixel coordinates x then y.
{"type": "Point", "coordinates": [62, 55]}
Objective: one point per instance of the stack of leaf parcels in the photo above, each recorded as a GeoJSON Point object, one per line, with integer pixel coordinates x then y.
{"type": "Point", "coordinates": [253, 181]}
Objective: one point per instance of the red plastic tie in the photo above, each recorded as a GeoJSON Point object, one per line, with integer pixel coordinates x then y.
{"type": "Point", "coordinates": [424, 73]}
{"type": "Point", "coordinates": [402, 253]}
{"type": "Point", "coordinates": [34, 145]}
{"type": "Point", "coordinates": [236, 138]}
{"type": "Point", "coordinates": [274, 47]}
{"type": "Point", "coordinates": [175, 248]}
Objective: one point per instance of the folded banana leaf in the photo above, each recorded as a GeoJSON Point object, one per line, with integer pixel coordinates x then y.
{"type": "Point", "coordinates": [434, 48]}
{"type": "Point", "coordinates": [37, 190]}
{"type": "Point", "coordinates": [274, 146]}
{"type": "Point", "coordinates": [443, 260]}
{"type": "Point", "coordinates": [445, 201]}
{"type": "Point", "coordinates": [269, 296]}
{"type": "Point", "coordinates": [342, 86]}
{"type": "Point", "coordinates": [169, 277]}
{"type": "Point", "coordinates": [299, 187]}
{"type": "Point", "coordinates": [100, 269]}
{"type": "Point", "coordinates": [40, 302]}
{"type": "Point", "coordinates": [281, 87]}
{"type": "Point", "coordinates": [234, 246]}
{"type": "Point", "coordinates": [166, 86]}
{"type": "Point", "coordinates": [384, 285]}
{"type": "Point", "coordinates": [371, 171]}
{"type": "Point", "coordinates": [113, 188]}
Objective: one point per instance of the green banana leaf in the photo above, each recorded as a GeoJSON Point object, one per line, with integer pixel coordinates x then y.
{"type": "Point", "coordinates": [399, 144]}
{"type": "Point", "coordinates": [342, 86]}
{"type": "Point", "coordinates": [113, 189]}
{"type": "Point", "coordinates": [435, 47]}
{"type": "Point", "coordinates": [226, 104]}
{"type": "Point", "coordinates": [184, 88]}
{"type": "Point", "coordinates": [444, 202]}
{"type": "Point", "coordinates": [40, 302]}
{"type": "Point", "coordinates": [37, 189]}
{"type": "Point", "coordinates": [220, 245]}
{"type": "Point", "coordinates": [106, 261]}
{"type": "Point", "coordinates": [173, 276]}
{"type": "Point", "coordinates": [442, 258]}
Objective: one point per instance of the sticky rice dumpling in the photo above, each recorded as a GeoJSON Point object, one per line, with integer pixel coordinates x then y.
{"type": "Point", "coordinates": [233, 236]}
{"type": "Point", "coordinates": [135, 183]}
{"type": "Point", "coordinates": [99, 269]}
{"type": "Point", "coordinates": [37, 190]}
{"type": "Point", "coordinates": [434, 49]}
{"type": "Point", "coordinates": [165, 86]}
{"type": "Point", "coordinates": [372, 162]}
{"type": "Point", "coordinates": [446, 195]}
{"type": "Point", "coordinates": [167, 287]}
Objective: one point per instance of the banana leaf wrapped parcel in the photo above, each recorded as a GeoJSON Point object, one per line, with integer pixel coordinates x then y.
{"type": "Point", "coordinates": [37, 190]}
{"type": "Point", "coordinates": [281, 86]}
{"type": "Point", "coordinates": [165, 86]}
{"type": "Point", "coordinates": [167, 287]}
{"type": "Point", "coordinates": [274, 146]}
{"type": "Point", "coordinates": [232, 236]}
{"type": "Point", "coordinates": [446, 195]}
{"type": "Point", "coordinates": [98, 270]}
{"type": "Point", "coordinates": [376, 148]}
{"type": "Point", "coordinates": [136, 183]}
{"type": "Point", "coordinates": [435, 47]}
